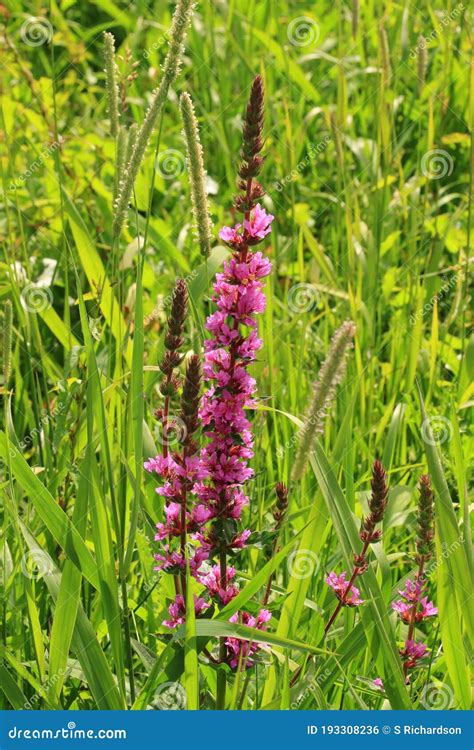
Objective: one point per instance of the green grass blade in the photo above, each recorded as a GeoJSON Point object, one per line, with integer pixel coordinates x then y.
{"type": "Point", "coordinates": [191, 665]}
{"type": "Point", "coordinates": [84, 642]}
{"type": "Point", "coordinates": [55, 520]}
{"type": "Point", "coordinates": [217, 628]}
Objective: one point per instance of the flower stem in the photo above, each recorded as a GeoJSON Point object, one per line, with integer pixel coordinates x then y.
{"type": "Point", "coordinates": [411, 624]}
{"type": "Point", "coordinates": [343, 598]}
{"type": "Point", "coordinates": [221, 675]}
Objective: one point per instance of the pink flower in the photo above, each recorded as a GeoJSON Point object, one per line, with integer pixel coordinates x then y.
{"type": "Point", "coordinates": [413, 652]}
{"type": "Point", "coordinates": [173, 525]}
{"type": "Point", "coordinates": [256, 227]}
{"type": "Point", "coordinates": [177, 611]}
{"type": "Point", "coordinates": [239, 651]}
{"type": "Point", "coordinates": [231, 235]}
{"type": "Point", "coordinates": [412, 590]}
{"type": "Point", "coordinates": [254, 268]}
{"type": "Point", "coordinates": [259, 223]}
{"type": "Point", "coordinates": [339, 586]}
{"type": "Point", "coordinates": [428, 608]}
{"type": "Point", "coordinates": [408, 606]}
{"type": "Point", "coordinates": [213, 584]}
{"type": "Point", "coordinates": [160, 465]}
{"type": "Point", "coordinates": [378, 683]}
{"type": "Point", "coordinates": [403, 609]}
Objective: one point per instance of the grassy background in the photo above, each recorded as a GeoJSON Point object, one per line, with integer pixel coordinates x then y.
{"type": "Point", "coordinates": [369, 176]}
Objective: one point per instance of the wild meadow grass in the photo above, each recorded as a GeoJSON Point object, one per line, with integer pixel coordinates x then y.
{"type": "Point", "coordinates": [368, 171]}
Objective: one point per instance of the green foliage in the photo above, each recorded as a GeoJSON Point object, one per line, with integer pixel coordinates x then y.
{"type": "Point", "coordinates": [368, 172]}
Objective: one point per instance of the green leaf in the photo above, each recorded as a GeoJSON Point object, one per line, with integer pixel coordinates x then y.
{"type": "Point", "coordinates": [217, 629]}
{"type": "Point", "coordinates": [67, 603]}
{"type": "Point", "coordinates": [11, 690]}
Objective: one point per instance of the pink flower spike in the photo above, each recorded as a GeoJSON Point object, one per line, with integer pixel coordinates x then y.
{"type": "Point", "coordinates": [378, 683]}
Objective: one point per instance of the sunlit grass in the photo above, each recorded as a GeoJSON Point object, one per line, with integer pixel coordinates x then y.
{"type": "Point", "coordinates": [369, 173]}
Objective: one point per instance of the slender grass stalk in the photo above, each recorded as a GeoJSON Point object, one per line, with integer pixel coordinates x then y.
{"type": "Point", "coordinates": [111, 79]}
{"type": "Point", "coordinates": [120, 157]}
{"type": "Point", "coordinates": [346, 593]}
{"type": "Point", "coordinates": [197, 174]}
{"type": "Point", "coordinates": [355, 17]}
{"type": "Point", "coordinates": [324, 388]}
{"type": "Point", "coordinates": [385, 56]}
{"type": "Point", "coordinates": [181, 19]}
{"type": "Point", "coordinates": [7, 341]}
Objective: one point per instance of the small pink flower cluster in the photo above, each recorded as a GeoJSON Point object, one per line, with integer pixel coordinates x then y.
{"type": "Point", "coordinates": [177, 610]}
{"type": "Point", "coordinates": [255, 228]}
{"type": "Point", "coordinates": [178, 474]}
{"type": "Point", "coordinates": [407, 606]}
{"type": "Point", "coordinates": [349, 597]}
{"type": "Point", "coordinates": [413, 608]}
{"type": "Point", "coordinates": [242, 651]}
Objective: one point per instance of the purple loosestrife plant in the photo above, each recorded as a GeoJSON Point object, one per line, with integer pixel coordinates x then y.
{"type": "Point", "coordinates": [345, 591]}
{"type": "Point", "coordinates": [414, 607]}
{"type": "Point", "coordinates": [178, 469]}
{"type": "Point", "coordinates": [230, 350]}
